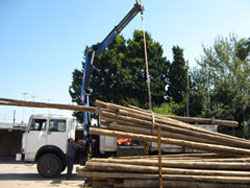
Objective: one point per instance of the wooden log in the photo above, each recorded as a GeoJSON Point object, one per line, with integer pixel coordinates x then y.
{"type": "Point", "coordinates": [197, 159]}
{"type": "Point", "coordinates": [211, 121]}
{"type": "Point", "coordinates": [151, 183]}
{"type": "Point", "coordinates": [127, 175]}
{"type": "Point", "coordinates": [213, 165]}
{"type": "Point", "coordinates": [178, 130]}
{"type": "Point", "coordinates": [12, 102]}
{"type": "Point", "coordinates": [189, 159]}
{"type": "Point", "coordinates": [178, 156]}
{"type": "Point", "coordinates": [181, 184]}
{"type": "Point", "coordinates": [189, 182]}
{"type": "Point", "coordinates": [108, 120]}
{"type": "Point", "coordinates": [243, 159]}
{"type": "Point", "coordinates": [100, 183]}
{"type": "Point", "coordinates": [134, 177]}
{"type": "Point", "coordinates": [125, 168]}
{"type": "Point", "coordinates": [232, 160]}
{"type": "Point", "coordinates": [195, 145]}
{"type": "Point", "coordinates": [117, 175]}
{"type": "Point", "coordinates": [192, 159]}
{"type": "Point", "coordinates": [168, 177]}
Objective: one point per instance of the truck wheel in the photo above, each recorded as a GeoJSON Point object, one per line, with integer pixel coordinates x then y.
{"type": "Point", "coordinates": [49, 165]}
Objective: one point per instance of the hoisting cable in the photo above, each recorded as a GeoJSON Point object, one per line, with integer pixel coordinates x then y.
{"type": "Point", "coordinates": [150, 102]}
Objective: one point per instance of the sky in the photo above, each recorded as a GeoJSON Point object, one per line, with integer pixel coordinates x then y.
{"type": "Point", "coordinates": [42, 41]}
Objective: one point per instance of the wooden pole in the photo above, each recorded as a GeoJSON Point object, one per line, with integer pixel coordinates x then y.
{"type": "Point", "coordinates": [208, 121]}
{"type": "Point", "coordinates": [181, 156]}
{"type": "Point", "coordinates": [12, 102]}
{"type": "Point", "coordinates": [125, 168]}
{"type": "Point", "coordinates": [191, 159]}
{"type": "Point", "coordinates": [213, 165]}
{"type": "Point", "coordinates": [230, 182]}
{"type": "Point", "coordinates": [143, 180]}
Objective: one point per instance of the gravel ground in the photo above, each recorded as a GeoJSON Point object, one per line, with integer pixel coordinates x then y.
{"type": "Point", "coordinates": [14, 175]}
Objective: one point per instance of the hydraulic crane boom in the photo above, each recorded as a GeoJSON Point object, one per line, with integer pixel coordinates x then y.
{"type": "Point", "coordinates": [89, 59]}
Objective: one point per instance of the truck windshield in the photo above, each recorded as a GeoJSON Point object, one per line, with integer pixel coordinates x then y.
{"type": "Point", "coordinates": [38, 124]}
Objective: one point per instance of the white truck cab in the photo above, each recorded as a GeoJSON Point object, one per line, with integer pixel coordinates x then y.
{"type": "Point", "coordinates": [45, 142]}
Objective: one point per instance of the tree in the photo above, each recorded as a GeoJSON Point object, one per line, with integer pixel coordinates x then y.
{"type": "Point", "coordinates": [119, 73]}
{"type": "Point", "coordinates": [198, 93]}
{"type": "Point", "coordinates": [178, 76]}
{"type": "Point", "coordinates": [158, 69]}
{"type": "Point", "coordinates": [225, 77]}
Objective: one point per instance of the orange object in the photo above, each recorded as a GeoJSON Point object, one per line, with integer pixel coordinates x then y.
{"type": "Point", "coordinates": [124, 141]}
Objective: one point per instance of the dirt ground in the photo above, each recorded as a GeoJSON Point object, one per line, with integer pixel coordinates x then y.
{"type": "Point", "coordinates": [14, 175]}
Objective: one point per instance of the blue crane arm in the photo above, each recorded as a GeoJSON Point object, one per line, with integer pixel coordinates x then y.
{"type": "Point", "coordinates": [97, 49]}
{"type": "Point", "coordinates": [109, 39]}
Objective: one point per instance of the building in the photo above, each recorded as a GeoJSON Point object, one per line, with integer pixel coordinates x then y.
{"type": "Point", "coordinates": [10, 140]}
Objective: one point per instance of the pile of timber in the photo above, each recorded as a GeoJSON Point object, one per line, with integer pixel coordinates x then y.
{"type": "Point", "coordinates": [226, 164]}
{"type": "Point", "coordinates": [117, 120]}
{"type": "Point", "coordinates": [206, 170]}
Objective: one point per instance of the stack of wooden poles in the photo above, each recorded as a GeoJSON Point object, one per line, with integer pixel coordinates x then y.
{"type": "Point", "coordinates": [179, 171]}
{"type": "Point", "coordinates": [226, 161]}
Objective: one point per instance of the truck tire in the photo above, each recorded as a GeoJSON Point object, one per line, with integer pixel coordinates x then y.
{"type": "Point", "coordinates": [49, 165]}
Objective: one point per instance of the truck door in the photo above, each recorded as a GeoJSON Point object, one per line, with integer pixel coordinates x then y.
{"type": "Point", "coordinates": [36, 137]}
{"type": "Point", "coordinates": [57, 133]}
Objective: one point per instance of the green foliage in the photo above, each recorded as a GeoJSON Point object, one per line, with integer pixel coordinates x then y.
{"type": "Point", "coordinates": [170, 107]}
{"type": "Point", "coordinates": [222, 83]}
{"type": "Point", "coordinates": [178, 76]}
{"type": "Point", "coordinates": [158, 69]}
{"type": "Point", "coordinates": [198, 93]}
{"type": "Point", "coordinates": [119, 73]}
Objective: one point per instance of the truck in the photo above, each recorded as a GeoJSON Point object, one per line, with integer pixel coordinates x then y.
{"type": "Point", "coordinates": [44, 142]}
